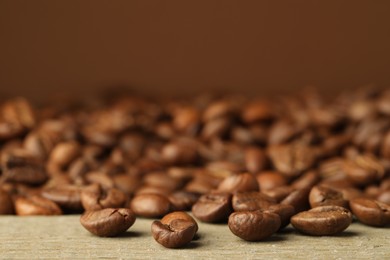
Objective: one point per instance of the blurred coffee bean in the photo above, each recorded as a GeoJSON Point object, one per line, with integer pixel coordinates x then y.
{"type": "Point", "coordinates": [239, 183]}
{"type": "Point", "coordinates": [269, 180]}
{"type": "Point", "coordinates": [36, 205]}
{"type": "Point", "coordinates": [364, 170]}
{"type": "Point", "coordinates": [255, 160]}
{"type": "Point", "coordinates": [21, 167]}
{"type": "Point", "coordinates": [150, 205]}
{"type": "Point", "coordinates": [213, 208]}
{"type": "Point", "coordinates": [371, 212]}
{"type": "Point", "coordinates": [183, 200]}
{"type": "Point", "coordinates": [95, 198]}
{"type": "Point", "coordinates": [250, 201]}
{"type": "Point", "coordinates": [325, 196]}
{"type": "Point", "coordinates": [67, 197]}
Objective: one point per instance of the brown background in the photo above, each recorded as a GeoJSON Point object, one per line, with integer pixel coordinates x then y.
{"type": "Point", "coordinates": [164, 46]}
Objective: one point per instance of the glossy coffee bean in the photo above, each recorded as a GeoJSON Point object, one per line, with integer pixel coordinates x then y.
{"type": "Point", "coordinates": [371, 212]}
{"type": "Point", "coordinates": [169, 218]}
{"type": "Point", "coordinates": [322, 221]}
{"type": "Point", "coordinates": [177, 233]}
{"type": "Point", "coordinates": [253, 225]}
{"type": "Point", "coordinates": [324, 196]}
{"type": "Point", "coordinates": [36, 205]}
{"type": "Point", "coordinates": [299, 199]}
{"type": "Point", "coordinates": [108, 222]}
{"type": "Point", "coordinates": [249, 201]}
{"type": "Point", "coordinates": [183, 200]}
{"type": "Point", "coordinates": [95, 198]}
{"type": "Point", "coordinates": [213, 207]}
{"type": "Point", "coordinates": [284, 211]}
{"type": "Point", "coordinates": [67, 197]}
{"type": "Point", "coordinates": [150, 205]}
{"type": "Point", "coordinates": [239, 183]}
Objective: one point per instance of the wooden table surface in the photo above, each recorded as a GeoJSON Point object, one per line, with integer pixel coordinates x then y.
{"type": "Point", "coordinates": [64, 237]}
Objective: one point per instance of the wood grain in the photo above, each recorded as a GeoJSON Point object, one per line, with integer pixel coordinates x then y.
{"type": "Point", "coordinates": [64, 237]}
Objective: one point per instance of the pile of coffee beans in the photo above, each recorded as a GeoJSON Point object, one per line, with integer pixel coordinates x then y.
{"type": "Point", "coordinates": [256, 164]}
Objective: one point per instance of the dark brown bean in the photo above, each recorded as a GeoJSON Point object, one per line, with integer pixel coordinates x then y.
{"type": "Point", "coordinates": [371, 212]}
{"type": "Point", "coordinates": [364, 170]}
{"type": "Point", "coordinates": [67, 197]}
{"type": "Point", "coordinates": [253, 225]}
{"type": "Point", "coordinates": [213, 207]}
{"type": "Point", "coordinates": [239, 183]}
{"type": "Point", "coordinates": [299, 199]}
{"type": "Point", "coordinates": [177, 233]}
{"type": "Point", "coordinates": [20, 166]}
{"type": "Point", "coordinates": [322, 221]}
{"type": "Point", "coordinates": [269, 180]}
{"type": "Point", "coordinates": [325, 196]}
{"type": "Point", "coordinates": [150, 205]}
{"type": "Point", "coordinates": [108, 222]}
{"type": "Point", "coordinates": [250, 201]}
{"type": "Point", "coordinates": [183, 200]}
{"type": "Point", "coordinates": [95, 198]}
{"type": "Point", "coordinates": [169, 218]}
{"type": "Point", "coordinates": [36, 205]}
{"type": "Point", "coordinates": [284, 211]}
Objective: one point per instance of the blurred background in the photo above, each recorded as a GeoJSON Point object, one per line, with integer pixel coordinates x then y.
{"type": "Point", "coordinates": [182, 47]}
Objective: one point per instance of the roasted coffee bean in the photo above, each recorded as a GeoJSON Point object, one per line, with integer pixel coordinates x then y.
{"type": "Point", "coordinates": [36, 205]}
{"type": "Point", "coordinates": [67, 197]}
{"type": "Point", "coordinates": [6, 204]}
{"type": "Point", "coordinates": [150, 205]}
{"type": "Point", "coordinates": [384, 196]}
{"type": "Point", "coordinates": [213, 207]}
{"type": "Point", "coordinates": [183, 200]}
{"type": "Point", "coordinates": [177, 233]}
{"type": "Point", "coordinates": [255, 160]}
{"type": "Point", "coordinates": [95, 198]}
{"type": "Point", "coordinates": [179, 153]}
{"type": "Point", "coordinates": [324, 196]}
{"type": "Point", "coordinates": [278, 193]}
{"type": "Point", "coordinates": [284, 211]}
{"type": "Point", "coordinates": [169, 218]}
{"type": "Point", "coordinates": [291, 159]}
{"type": "Point", "coordinates": [306, 180]}
{"type": "Point", "coordinates": [371, 212]}
{"type": "Point", "coordinates": [299, 199]}
{"type": "Point", "coordinates": [108, 222]}
{"type": "Point", "coordinates": [19, 111]}
{"type": "Point", "coordinates": [21, 167]}
{"type": "Point", "coordinates": [253, 225]}
{"type": "Point", "coordinates": [322, 221]}
{"type": "Point", "coordinates": [64, 153]}
{"type": "Point", "coordinates": [364, 170]}
{"type": "Point", "coordinates": [269, 180]}
{"type": "Point", "coordinates": [163, 180]}
{"type": "Point", "coordinates": [216, 128]}
{"type": "Point", "coordinates": [239, 183]}
{"type": "Point", "coordinates": [250, 201]}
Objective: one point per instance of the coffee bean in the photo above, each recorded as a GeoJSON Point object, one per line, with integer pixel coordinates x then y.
{"type": "Point", "coordinates": [35, 205]}
{"type": "Point", "coordinates": [291, 159]}
{"type": "Point", "coordinates": [213, 208]}
{"type": "Point", "coordinates": [284, 211]}
{"type": "Point", "coordinates": [322, 221]}
{"type": "Point", "coordinates": [64, 153]}
{"type": "Point", "coordinates": [178, 153]}
{"type": "Point", "coordinates": [19, 111]}
{"type": "Point", "coordinates": [279, 193]}
{"type": "Point", "coordinates": [239, 183]}
{"type": "Point", "coordinates": [255, 160]}
{"type": "Point", "coordinates": [299, 199]}
{"type": "Point", "coordinates": [324, 196]}
{"type": "Point", "coordinates": [269, 180]}
{"type": "Point", "coordinates": [169, 218]}
{"type": "Point", "coordinates": [150, 205]}
{"type": "Point", "coordinates": [364, 170]}
{"type": "Point", "coordinates": [6, 204]}
{"type": "Point", "coordinates": [183, 200]}
{"type": "Point", "coordinates": [67, 197]}
{"type": "Point", "coordinates": [250, 201]}
{"type": "Point", "coordinates": [371, 212]}
{"type": "Point", "coordinates": [19, 166]}
{"type": "Point", "coordinates": [257, 111]}
{"type": "Point", "coordinates": [108, 222]}
{"type": "Point", "coordinates": [95, 198]}
{"type": "Point", "coordinates": [177, 233]}
{"type": "Point", "coordinates": [306, 180]}
{"type": "Point", "coordinates": [253, 225]}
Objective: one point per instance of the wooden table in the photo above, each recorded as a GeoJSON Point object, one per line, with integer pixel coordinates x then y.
{"type": "Point", "coordinates": [64, 237]}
